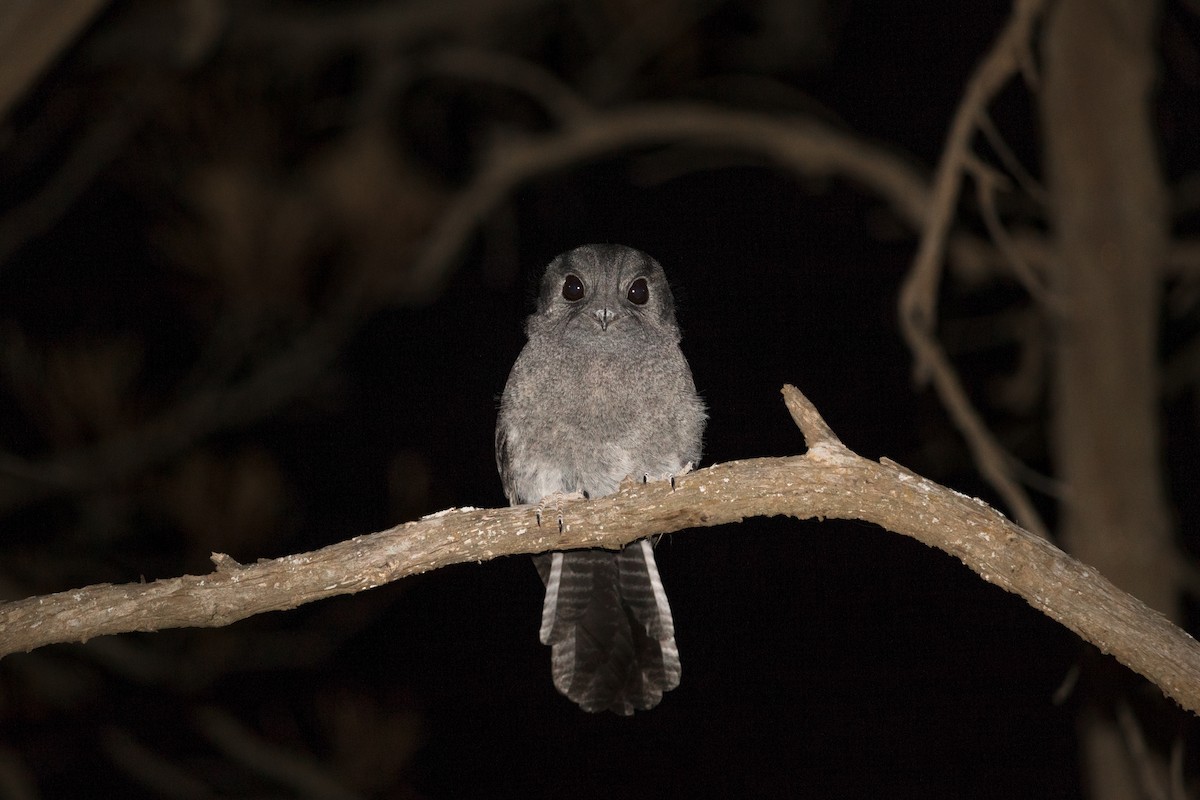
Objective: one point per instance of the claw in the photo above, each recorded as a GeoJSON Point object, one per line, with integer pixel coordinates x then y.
{"type": "Point", "coordinates": [556, 500]}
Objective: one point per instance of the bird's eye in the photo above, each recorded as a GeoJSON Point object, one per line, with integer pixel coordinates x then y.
{"type": "Point", "coordinates": [639, 292]}
{"type": "Point", "coordinates": [572, 288]}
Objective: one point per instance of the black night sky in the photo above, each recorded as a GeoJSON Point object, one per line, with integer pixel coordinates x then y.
{"type": "Point", "coordinates": [820, 658]}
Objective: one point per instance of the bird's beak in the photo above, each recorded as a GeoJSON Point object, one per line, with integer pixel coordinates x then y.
{"type": "Point", "coordinates": [604, 317]}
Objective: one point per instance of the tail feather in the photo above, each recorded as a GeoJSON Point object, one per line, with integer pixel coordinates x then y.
{"type": "Point", "coordinates": [607, 620]}
{"type": "Point", "coordinates": [642, 587]}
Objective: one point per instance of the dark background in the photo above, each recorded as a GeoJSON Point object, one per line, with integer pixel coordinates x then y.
{"type": "Point", "coordinates": [819, 658]}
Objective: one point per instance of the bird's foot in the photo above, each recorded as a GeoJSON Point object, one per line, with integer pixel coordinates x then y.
{"type": "Point", "coordinates": [686, 469]}
{"type": "Point", "coordinates": [555, 501]}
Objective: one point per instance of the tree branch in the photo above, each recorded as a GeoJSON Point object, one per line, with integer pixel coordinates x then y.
{"type": "Point", "coordinates": [828, 481]}
{"type": "Point", "coordinates": [918, 296]}
{"type": "Point", "coordinates": [802, 146]}
{"type": "Point", "coordinates": [33, 35]}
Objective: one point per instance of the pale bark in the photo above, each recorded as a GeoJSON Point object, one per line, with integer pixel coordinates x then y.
{"type": "Point", "coordinates": [829, 481]}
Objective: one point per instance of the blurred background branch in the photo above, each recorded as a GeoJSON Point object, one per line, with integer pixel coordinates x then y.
{"type": "Point", "coordinates": [263, 265]}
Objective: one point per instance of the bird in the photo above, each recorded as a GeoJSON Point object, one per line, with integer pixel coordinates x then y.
{"type": "Point", "coordinates": [601, 392]}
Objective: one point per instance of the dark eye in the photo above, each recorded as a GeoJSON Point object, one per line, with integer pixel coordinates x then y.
{"type": "Point", "coordinates": [572, 288]}
{"type": "Point", "coordinates": [639, 292]}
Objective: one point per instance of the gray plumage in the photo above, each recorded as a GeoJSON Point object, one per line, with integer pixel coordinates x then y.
{"type": "Point", "coordinates": [601, 392]}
